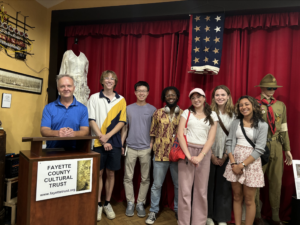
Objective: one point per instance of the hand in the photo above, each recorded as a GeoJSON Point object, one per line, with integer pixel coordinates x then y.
{"type": "Point", "coordinates": [236, 169]}
{"type": "Point", "coordinates": [107, 147]}
{"type": "Point", "coordinates": [215, 160]}
{"type": "Point", "coordinates": [221, 161]}
{"type": "Point", "coordinates": [66, 132]}
{"type": "Point", "coordinates": [61, 132]}
{"type": "Point", "coordinates": [104, 138]}
{"type": "Point", "coordinates": [123, 151]}
{"type": "Point", "coordinates": [288, 158]}
{"type": "Point", "coordinates": [151, 145]}
{"type": "Point", "coordinates": [189, 157]}
{"type": "Point", "coordinates": [69, 132]}
{"type": "Point", "coordinates": [197, 159]}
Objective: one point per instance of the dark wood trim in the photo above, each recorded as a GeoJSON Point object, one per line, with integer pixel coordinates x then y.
{"type": "Point", "coordinates": [145, 12]}
{"type": "Point", "coordinates": [38, 139]}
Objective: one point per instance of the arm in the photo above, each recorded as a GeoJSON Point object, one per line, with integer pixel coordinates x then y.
{"type": "Point", "coordinates": [120, 124]}
{"type": "Point", "coordinates": [154, 125]}
{"type": "Point", "coordinates": [181, 139]}
{"type": "Point", "coordinates": [95, 128]}
{"type": "Point", "coordinates": [229, 140]}
{"type": "Point", "coordinates": [152, 142]}
{"type": "Point", "coordinates": [208, 144]}
{"type": "Point", "coordinates": [46, 123]}
{"type": "Point", "coordinates": [84, 131]}
{"type": "Point", "coordinates": [124, 132]}
{"type": "Point", "coordinates": [261, 140]}
{"type": "Point", "coordinates": [117, 128]}
{"type": "Point", "coordinates": [285, 141]}
{"type": "Point", "coordinates": [47, 132]}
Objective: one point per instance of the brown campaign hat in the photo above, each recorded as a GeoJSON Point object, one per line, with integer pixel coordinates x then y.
{"type": "Point", "coordinates": [268, 81]}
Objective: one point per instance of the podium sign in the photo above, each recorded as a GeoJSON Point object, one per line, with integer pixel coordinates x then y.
{"type": "Point", "coordinates": [59, 178]}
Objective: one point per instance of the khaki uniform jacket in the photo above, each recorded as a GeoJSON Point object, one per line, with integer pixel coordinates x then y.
{"type": "Point", "coordinates": [281, 133]}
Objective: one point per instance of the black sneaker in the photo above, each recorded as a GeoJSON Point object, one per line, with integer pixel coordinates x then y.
{"type": "Point", "coordinates": [151, 218]}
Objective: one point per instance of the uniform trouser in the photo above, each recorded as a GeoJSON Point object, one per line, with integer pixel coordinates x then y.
{"type": "Point", "coordinates": [144, 157]}
{"type": "Point", "coordinates": [193, 212]}
{"type": "Point", "coordinates": [274, 171]}
{"type": "Point", "coordinates": [219, 196]}
{"type": "Point", "coordinates": [160, 169]}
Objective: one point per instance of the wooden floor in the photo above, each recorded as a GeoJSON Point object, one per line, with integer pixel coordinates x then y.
{"type": "Point", "coordinates": [166, 216]}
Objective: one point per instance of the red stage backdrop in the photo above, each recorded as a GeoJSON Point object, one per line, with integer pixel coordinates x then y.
{"type": "Point", "coordinates": [157, 52]}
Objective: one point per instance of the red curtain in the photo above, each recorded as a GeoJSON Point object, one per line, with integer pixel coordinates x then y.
{"type": "Point", "coordinates": [253, 46]}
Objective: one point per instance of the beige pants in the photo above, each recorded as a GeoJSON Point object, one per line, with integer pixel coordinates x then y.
{"type": "Point", "coordinates": [145, 162]}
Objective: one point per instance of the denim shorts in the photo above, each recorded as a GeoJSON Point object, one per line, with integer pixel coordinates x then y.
{"type": "Point", "coordinates": [109, 159]}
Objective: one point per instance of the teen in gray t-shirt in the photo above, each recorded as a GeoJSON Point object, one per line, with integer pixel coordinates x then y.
{"type": "Point", "coordinates": [139, 121]}
{"type": "Point", "coordinates": [139, 145]}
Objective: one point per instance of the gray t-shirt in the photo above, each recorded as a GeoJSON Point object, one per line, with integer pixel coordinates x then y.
{"type": "Point", "coordinates": [139, 119]}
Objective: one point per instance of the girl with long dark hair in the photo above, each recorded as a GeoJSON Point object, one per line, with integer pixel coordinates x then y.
{"type": "Point", "coordinates": [244, 170]}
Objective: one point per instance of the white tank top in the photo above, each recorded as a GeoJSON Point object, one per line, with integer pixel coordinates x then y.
{"type": "Point", "coordinates": [241, 140]}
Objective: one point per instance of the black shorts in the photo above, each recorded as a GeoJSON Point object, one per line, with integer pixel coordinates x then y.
{"type": "Point", "coordinates": [109, 159]}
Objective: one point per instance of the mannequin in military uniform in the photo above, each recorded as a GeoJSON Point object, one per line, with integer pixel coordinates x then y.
{"type": "Point", "coordinates": [274, 113]}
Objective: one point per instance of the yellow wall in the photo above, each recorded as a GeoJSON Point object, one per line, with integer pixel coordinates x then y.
{"type": "Point", "coordinates": [75, 4]}
{"type": "Point", "coordinates": [24, 117]}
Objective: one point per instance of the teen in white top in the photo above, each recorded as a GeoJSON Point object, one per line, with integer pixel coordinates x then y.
{"type": "Point", "coordinates": [197, 129]}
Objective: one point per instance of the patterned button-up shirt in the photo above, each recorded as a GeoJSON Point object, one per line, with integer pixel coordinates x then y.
{"type": "Point", "coordinates": [164, 132]}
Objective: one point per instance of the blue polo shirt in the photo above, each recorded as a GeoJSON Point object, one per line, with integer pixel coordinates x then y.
{"type": "Point", "coordinates": [56, 116]}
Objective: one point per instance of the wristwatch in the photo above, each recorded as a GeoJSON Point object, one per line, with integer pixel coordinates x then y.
{"type": "Point", "coordinates": [243, 164]}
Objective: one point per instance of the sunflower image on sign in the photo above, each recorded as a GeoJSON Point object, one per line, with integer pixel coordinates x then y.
{"type": "Point", "coordinates": [83, 175]}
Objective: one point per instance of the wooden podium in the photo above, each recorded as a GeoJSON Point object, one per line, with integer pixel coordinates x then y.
{"type": "Point", "coordinates": [68, 210]}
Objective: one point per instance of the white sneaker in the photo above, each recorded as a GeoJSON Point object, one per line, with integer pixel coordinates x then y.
{"type": "Point", "coordinates": [110, 214]}
{"type": "Point", "coordinates": [151, 218]}
{"type": "Point", "coordinates": [209, 221]}
{"type": "Point", "coordinates": [222, 223]}
{"type": "Point", "coordinates": [99, 213]}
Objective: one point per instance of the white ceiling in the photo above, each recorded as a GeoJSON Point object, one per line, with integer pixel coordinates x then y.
{"type": "Point", "coordinates": [49, 3]}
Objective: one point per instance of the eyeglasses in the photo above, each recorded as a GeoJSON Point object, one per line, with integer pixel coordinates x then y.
{"type": "Point", "coordinates": [270, 89]}
{"type": "Point", "coordinates": [141, 91]}
{"type": "Point", "coordinates": [171, 95]}
{"type": "Point", "coordinates": [109, 78]}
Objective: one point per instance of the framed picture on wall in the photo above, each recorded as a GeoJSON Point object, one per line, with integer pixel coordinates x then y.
{"type": "Point", "coordinates": [20, 82]}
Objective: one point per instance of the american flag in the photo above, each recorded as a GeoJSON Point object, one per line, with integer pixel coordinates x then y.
{"type": "Point", "coordinates": [205, 42]}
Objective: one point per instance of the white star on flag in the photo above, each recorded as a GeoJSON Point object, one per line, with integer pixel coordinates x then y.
{"type": "Point", "coordinates": [217, 29]}
{"type": "Point", "coordinates": [218, 18]}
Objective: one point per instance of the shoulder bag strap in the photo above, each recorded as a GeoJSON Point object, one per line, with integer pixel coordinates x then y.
{"type": "Point", "coordinates": [222, 125]}
{"type": "Point", "coordinates": [187, 119]}
{"type": "Point", "coordinates": [243, 130]}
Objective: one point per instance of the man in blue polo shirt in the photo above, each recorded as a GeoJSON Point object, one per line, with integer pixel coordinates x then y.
{"type": "Point", "coordinates": [65, 117]}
